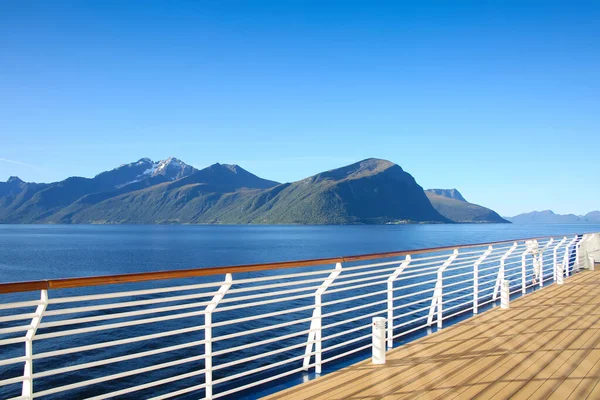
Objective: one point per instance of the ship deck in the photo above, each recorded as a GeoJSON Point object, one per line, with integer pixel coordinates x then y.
{"type": "Point", "coordinates": [546, 345]}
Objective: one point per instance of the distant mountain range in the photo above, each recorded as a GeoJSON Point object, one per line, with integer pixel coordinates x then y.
{"type": "Point", "coordinates": [372, 191]}
{"type": "Point", "coordinates": [549, 217]}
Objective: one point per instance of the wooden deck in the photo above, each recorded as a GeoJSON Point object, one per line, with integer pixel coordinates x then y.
{"type": "Point", "coordinates": [547, 345]}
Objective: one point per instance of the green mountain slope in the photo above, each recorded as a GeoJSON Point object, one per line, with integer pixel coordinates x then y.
{"type": "Point", "coordinates": [449, 193]}
{"type": "Point", "coordinates": [461, 211]}
{"type": "Point", "coordinates": [157, 201]}
{"type": "Point", "coordinates": [369, 192]}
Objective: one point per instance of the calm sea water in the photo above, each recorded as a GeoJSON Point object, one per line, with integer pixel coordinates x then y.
{"type": "Point", "coordinates": [30, 252]}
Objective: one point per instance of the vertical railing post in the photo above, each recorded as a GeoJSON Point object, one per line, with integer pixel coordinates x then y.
{"type": "Point", "coordinates": [541, 262]}
{"type": "Point", "coordinates": [208, 364]}
{"type": "Point", "coordinates": [560, 275]}
{"type": "Point", "coordinates": [540, 275]}
{"type": "Point", "coordinates": [505, 294]}
{"type": "Point", "coordinates": [500, 276]}
{"type": "Point", "coordinates": [27, 388]}
{"type": "Point", "coordinates": [482, 258]}
{"type": "Point", "coordinates": [436, 301]}
{"type": "Point", "coordinates": [378, 341]}
{"type": "Point", "coordinates": [560, 266]}
{"type": "Point", "coordinates": [315, 334]}
{"type": "Point", "coordinates": [555, 258]}
{"type": "Point", "coordinates": [390, 300]}
{"type": "Point", "coordinates": [567, 256]}
{"type": "Point", "coordinates": [577, 255]}
{"type": "Point", "coordinates": [524, 269]}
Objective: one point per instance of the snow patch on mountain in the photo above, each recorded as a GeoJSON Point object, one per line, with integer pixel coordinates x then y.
{"type": "Point", "coordinates": [150, 171]}
{"type": "Point", "coordinates": [126, 174]}
{"type": "Point", "coordinates": [172, 169]}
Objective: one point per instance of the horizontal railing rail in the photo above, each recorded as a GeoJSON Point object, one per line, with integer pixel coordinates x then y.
{"type": "Point", "coordinates": [251, 325]}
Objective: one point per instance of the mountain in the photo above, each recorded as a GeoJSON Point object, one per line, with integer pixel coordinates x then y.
{"type": "Point", "coordinates": [112, 196]}
{"type": "Point", "coordinates": [452, 205]}
{"type": "Point", "coordinates": [449, 193]}
{"type": "Point", "coordinates": [35, 203]}
{"type": "Point", "coordinates": [368, 192]}
{"type": "Point", "coordinates": [250, 179]}
{"type": "Point", "coordinates": [14, 193]}
{"type": "Point", "coordinates": [372, 191]}
{"type": "Point", "coordinates": [365, 192]}
{"type": "Point", "coordinates": [12, 186]}
{"type": "Point", "coordinates": [170, 169]}
{"type": "Point", "coordinates": [549, 217]}
{"type": "Point", "coordinates": [593, 217]}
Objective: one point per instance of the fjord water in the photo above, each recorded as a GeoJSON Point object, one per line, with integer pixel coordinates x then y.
{"type": "Point", "coordinates": [29, 252]}
{"type": "Point", "coordinates": [32, 252]}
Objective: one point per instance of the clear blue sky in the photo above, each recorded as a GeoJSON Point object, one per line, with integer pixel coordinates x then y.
{"type": "Point", "coordinates": [498, 99]}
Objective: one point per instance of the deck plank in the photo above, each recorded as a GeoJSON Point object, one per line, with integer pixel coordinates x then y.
{"type": "Point", "coordinates": [547, 345]}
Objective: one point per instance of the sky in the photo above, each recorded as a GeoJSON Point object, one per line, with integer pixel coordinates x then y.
{"type": "Point", "coordinates": [500, 100]}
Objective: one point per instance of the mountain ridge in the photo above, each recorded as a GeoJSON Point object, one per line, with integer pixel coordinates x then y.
{"type": "Point", "coordinates": [449, 193]}
{"type": "Point", "coordinates": [452, 205]}
{"type": "Point", "coordinates": [550, 217]}
{"type": "Point", "coordinates": [371, 191]}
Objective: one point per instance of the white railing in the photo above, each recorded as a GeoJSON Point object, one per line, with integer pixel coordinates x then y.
{"type": "Point", "coordinates": [227, 333]}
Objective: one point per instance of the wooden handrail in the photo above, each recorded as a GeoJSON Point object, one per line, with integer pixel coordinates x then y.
{"type": "Point", "coordinates": [66, 283]}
